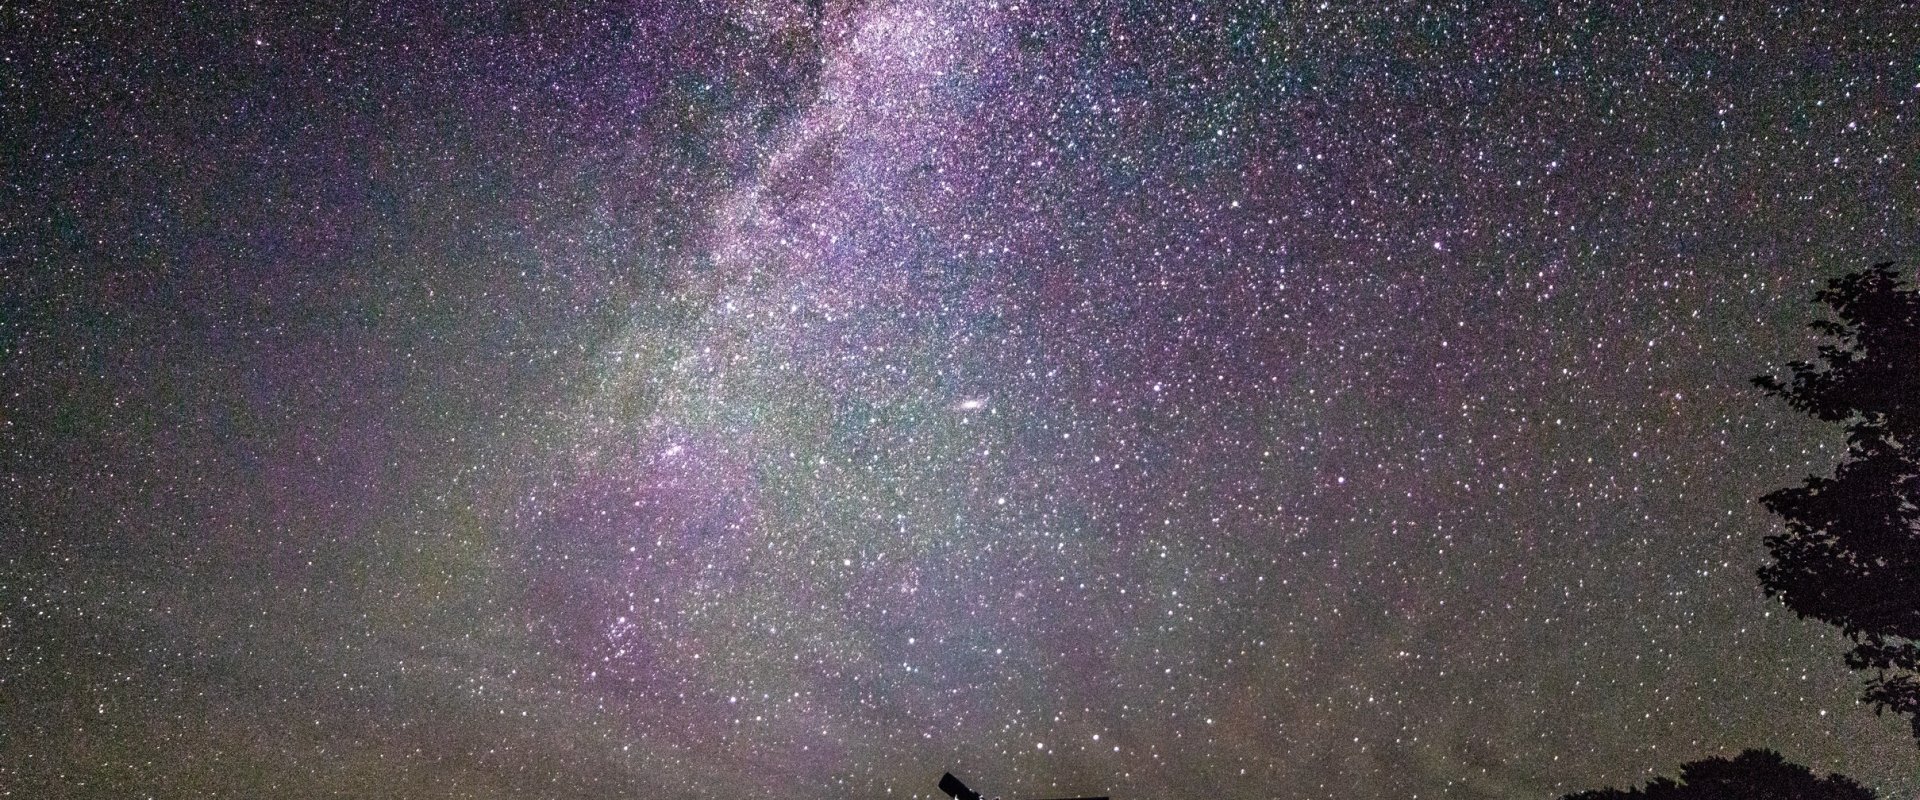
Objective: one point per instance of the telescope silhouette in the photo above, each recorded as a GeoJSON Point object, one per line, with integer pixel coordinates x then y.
{"type": "Point", "coordinates": [959, 791]}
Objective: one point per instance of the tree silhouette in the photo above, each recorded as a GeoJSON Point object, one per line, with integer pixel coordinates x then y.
{"type": "Point", "coordinates": [1850, 555]}
{"type": "Point", "coordinates": [1752, 775]}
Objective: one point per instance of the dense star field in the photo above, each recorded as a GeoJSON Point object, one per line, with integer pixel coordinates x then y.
{"type": "Point", "coordinates": [701, 400]}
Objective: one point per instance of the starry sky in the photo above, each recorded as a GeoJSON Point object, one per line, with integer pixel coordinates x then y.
{"type": "Point", "coordinates": [745, 399]}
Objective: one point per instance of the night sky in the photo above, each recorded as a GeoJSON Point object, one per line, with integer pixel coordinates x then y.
{"type": "Point", "coordinates": [683, 399]}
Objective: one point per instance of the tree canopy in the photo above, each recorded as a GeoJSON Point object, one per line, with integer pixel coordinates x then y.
{"type": "Point", "coordinates": [1752, 775]}
{"type": "Point", "coordinates": [1850, 555]}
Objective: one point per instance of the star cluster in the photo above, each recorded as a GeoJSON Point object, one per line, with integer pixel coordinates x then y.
{"type": "Point", "coordinates": [698, 399]}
